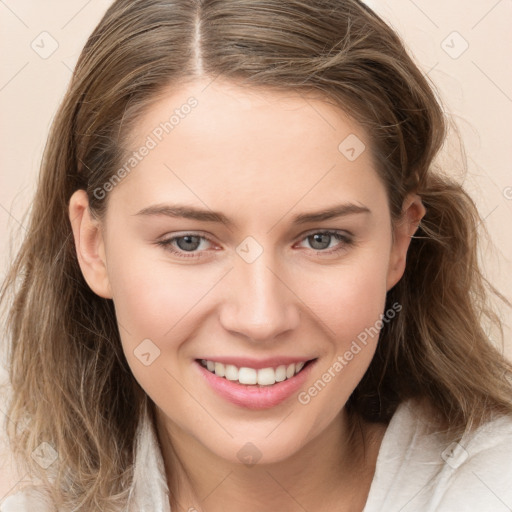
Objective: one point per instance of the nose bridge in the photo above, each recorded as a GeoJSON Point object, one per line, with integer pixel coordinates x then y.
{"type": "Point", "coordinates": [259, 305]}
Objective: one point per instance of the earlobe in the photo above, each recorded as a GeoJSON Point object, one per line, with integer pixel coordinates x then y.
{"type": "Point", "coordinates": [89, 245]}
{"type": "Point", "coordinates": [412, 212]}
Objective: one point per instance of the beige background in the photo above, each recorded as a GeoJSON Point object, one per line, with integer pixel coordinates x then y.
{"type": "Point", "coordinates": [474, 83]}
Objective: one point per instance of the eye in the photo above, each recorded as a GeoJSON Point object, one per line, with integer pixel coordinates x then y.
{"type": "Point", "coordinates": [321, 240]}
{"type": "Point", "coordinates": [183, 244]}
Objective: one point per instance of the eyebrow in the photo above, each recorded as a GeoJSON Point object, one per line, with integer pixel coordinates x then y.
{"type": "Point", "coordinates": [191, 212]}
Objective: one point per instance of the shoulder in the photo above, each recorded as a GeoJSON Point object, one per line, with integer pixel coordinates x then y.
{"type": "Point", "coordinates": [422, 469]}
{"type": "Point", "coordinates": [28, 499]}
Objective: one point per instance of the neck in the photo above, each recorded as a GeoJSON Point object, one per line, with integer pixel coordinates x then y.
{"type": "Point", "coordinates": [332, 472]}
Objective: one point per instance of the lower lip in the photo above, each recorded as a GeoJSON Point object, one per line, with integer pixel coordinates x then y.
{"type": "Point", "coordinates": [255, 396]}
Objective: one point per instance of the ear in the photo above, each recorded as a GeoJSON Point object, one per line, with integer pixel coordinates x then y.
{"type": "Point", "coordinates": [89, 244]}
{"type": "Point", "coordinates": [413, 211]}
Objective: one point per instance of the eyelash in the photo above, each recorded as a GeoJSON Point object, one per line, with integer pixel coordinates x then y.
{"type": "Point", "coordinates": [346, 242]}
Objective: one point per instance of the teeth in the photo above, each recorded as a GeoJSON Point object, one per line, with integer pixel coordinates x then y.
{"type": "Point", "coordinates": [231, 372]}
{"type": "Point", "coordinates": [251, 376]}
{"type": "Point", "coordinates": [247, 376]}
{"type": "Point", "coordinates": [266, 376]}
{"type": "Point", "coordinates": [280, 373]}
{"type": "Point", "coordinates": [220, 370]}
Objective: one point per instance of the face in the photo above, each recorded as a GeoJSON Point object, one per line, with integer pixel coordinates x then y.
{"type": "Point", "coordinates": [216, 253]}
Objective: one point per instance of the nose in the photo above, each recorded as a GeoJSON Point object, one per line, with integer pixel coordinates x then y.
{"type": "Point", "coordinates": [260, 304]}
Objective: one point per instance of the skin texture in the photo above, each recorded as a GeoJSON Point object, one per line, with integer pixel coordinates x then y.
{"type": "Point", "coordinates": [260, 158]}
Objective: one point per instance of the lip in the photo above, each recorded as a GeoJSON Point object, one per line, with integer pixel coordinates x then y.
{"type": "Point", "coordinates": [254, 396]}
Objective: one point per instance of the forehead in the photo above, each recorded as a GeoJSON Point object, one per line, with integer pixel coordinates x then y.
{"type": "Point", "coordinates": [237, 117]}
{"type": "Point", "coordinates": [216, 142]}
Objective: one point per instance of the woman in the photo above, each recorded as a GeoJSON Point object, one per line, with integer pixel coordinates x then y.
{"type": "Point", "coordinates": [245, 285]}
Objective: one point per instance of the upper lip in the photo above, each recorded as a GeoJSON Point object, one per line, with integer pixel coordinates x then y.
{"type": "Point", "coordinates": [247, 362]}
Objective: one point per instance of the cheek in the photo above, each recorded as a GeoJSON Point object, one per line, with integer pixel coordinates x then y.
{"type": "Point", "coordinates": [359, 302]}
{"type": "Point", "coordinates": [348, 298]}
{"type": "Point", "coordinates": [156, 304]}
{"type": "Point", "coordinates": [153, 295]}
{"type": "Point", "coordinates": [350, 304]}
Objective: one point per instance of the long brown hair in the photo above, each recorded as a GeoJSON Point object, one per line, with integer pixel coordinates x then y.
{"type": "Point", "coordinates": [71, 384]}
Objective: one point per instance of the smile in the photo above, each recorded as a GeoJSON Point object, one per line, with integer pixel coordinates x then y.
{"type": "Point", "coordinates": [264, 387]}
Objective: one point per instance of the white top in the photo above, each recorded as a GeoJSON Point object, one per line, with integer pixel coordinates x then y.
{"type": "Point", "coordinates": [417, 470]}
